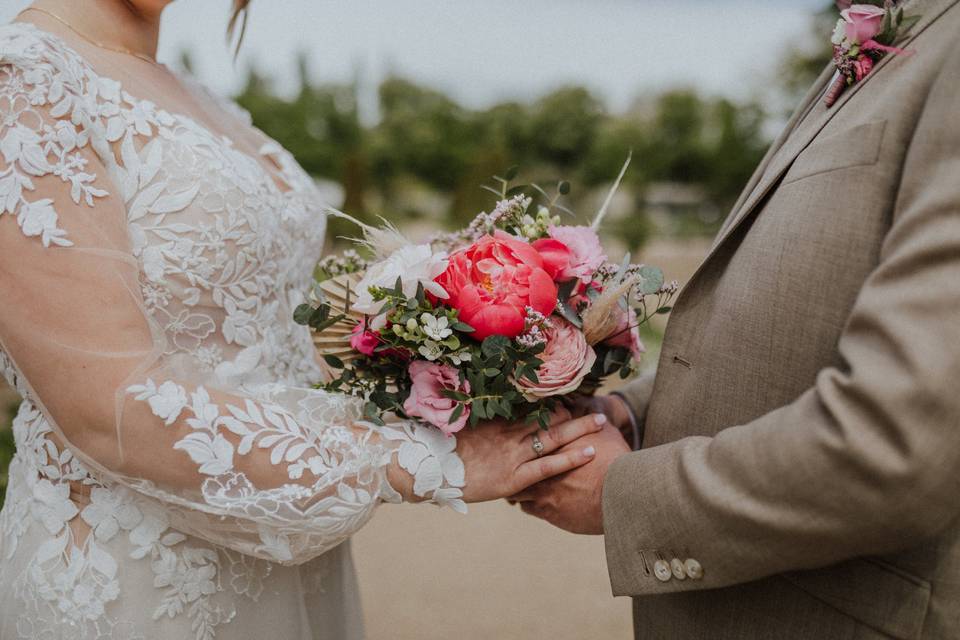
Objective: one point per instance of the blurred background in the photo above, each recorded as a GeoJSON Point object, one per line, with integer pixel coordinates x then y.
{"type": "Point", "coordinates": [403, 108]}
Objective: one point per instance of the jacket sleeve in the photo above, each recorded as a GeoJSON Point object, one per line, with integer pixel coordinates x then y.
{"type": "Point", "coordinates": [864, 462]}
{"type": "Point", "coordinates": [637, 397]}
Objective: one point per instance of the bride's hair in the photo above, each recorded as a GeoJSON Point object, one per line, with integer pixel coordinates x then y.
{"type": "Point", "coordinates": [238, 20]}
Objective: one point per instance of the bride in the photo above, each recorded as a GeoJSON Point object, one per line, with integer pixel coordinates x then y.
{"type": "Point", "coordinates": [176, 476]}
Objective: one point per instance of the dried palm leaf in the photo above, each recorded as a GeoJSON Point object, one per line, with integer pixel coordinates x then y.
{"type": "Point", "coordinates": [604, 316]}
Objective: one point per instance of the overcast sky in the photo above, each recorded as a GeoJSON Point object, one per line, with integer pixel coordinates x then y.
{"type": "Point", "coordinates": [482, 51]}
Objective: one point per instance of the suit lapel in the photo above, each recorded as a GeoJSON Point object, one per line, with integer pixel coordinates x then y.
{"type": "Point", "coordinates": [806, 129]}
{"type": "Point", "coordinates": [808, 102]}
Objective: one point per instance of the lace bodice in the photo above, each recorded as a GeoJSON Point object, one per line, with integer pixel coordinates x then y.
{"type": "Point", "coordinates": [148, 275]}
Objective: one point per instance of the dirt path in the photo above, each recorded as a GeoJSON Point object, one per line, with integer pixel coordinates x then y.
{"type": "Point", "coordinates": [494, 574]}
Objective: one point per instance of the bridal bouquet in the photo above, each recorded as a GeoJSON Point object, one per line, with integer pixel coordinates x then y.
{"type": "Point", "coordinates": [499, 320]}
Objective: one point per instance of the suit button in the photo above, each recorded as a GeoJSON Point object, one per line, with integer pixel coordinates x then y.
{"type": "Point", "coordinates": [679, 571]}
{"type": "Point", "coordinates": [693, 569]}
{"type": "Point", "coordinates": [662, 570]}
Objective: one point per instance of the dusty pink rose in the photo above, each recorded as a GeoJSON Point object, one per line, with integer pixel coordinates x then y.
{"type": "Point", "coordinates": [363, 340]}
{"type": "Point", "coordinates": [864, 22]}
{"type": "Point", "coordinates": [863, 66]}
{"type": "Point", "coordinates": [567, 359]}
{"type": "Point", "coordinates": [426, 399]}
{"type": "Point", "coordinates": [586, 253]}
{"type": "Point", "coordinates": [627, 334]}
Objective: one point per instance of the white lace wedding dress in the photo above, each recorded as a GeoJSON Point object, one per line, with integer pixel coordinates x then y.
{"type": "Point", "coordinates": [175, 475]}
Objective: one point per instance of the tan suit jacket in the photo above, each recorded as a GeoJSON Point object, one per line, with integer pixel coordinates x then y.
{"type": "Point", "coordinates": [802, 436]}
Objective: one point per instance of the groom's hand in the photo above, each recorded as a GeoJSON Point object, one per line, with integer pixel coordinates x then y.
{"type": "Point", "coordinates": [613, 406]}
{"type": "Point", "coordinates": [573, 501]}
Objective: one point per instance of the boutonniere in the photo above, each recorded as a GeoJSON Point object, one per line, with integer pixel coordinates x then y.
{"type": "Point", "coordinates": [865, 33]}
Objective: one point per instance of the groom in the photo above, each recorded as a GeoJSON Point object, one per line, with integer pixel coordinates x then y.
{"type": "Point", "coordinates": [799, 475]}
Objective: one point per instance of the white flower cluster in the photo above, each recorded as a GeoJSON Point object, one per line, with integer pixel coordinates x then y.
{"type": "Point", "coordinates": [533, 335]}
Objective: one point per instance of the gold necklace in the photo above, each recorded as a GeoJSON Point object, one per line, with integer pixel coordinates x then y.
{"type": "Point", "coordinates": [129, 52]}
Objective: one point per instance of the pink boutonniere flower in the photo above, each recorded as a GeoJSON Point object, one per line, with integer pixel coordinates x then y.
{"type": "Point", "coordinates": [865, 33]}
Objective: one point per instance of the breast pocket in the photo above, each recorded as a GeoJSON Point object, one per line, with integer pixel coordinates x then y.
{"type": "Point", "coordinates": [855, 147]}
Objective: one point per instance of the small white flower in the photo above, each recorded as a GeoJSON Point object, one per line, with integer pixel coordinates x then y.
{"type": "Point", "coordinates": [39, 219]}
{"type": "Point", "coordinates": [110, 511]}
{"type": "Point", "coordinates": [154, 265]}
{"type": "Point", "coordinates": [169, 400]}
{"type": "Point", "coordinates": [52, 506]}
{"type": "Point", "coordinates": [430, 350]}
{"type": "Point", "coordinates": [460, 358]}
{"type": "Point", "coordinates": [436, 328]}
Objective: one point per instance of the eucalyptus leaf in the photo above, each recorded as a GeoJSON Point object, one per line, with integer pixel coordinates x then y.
{"type": "Point", "coordinates": [495, 346]}
{"type": "Point", "coordinates": [908, 23]}
{"type": "Point", "coordinates": [565, 290]}
{"type": "Point", "coordinates": [479, 410]}
{"type": "Point", "coordinates": [301, 315]}
{"type": "Point", "coordinates": [569, 314]}
{"type": "Point", "coordinates": [334, 361]}
{"type": "Point", "coordinates": [651, 280]}
{"type": "Point", "coordinates": [453, 394]}
{"type": "Point", "coordinates": [320, 327]}
{"type": "Point", "coordinates": [622, 271]}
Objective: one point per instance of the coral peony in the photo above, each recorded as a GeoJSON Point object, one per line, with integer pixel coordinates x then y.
{"type": "Point", "coordinates": [584, 253]}
{"type": "Point", "coordinates": [426, 399]}
{"type": "Point", "coordinates": [492, 282]}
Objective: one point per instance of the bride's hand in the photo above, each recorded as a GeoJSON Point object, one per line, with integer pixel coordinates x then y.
{"type": "Point", "coordinates": [501, 460]}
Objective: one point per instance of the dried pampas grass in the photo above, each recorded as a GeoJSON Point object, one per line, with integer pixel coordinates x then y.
{"type": "Point", "coordinates": [382, 241]}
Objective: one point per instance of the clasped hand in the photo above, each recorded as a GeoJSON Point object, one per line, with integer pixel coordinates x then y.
{"type": "Point", "coordinates": [573, 500]}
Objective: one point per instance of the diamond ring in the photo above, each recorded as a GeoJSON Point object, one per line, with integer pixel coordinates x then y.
{"type": "Point", "coordinates": [537, 445]}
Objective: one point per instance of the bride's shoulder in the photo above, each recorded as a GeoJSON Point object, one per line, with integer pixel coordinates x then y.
{"type": "Point", "coordinates": [32, 59]}
{"type": "Point", "coordinates": [208, 94]}
{"type": "Point", "coordinates": [22, 44]}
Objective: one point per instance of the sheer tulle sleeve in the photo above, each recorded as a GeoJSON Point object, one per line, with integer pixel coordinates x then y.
{"type": "Point", "coordinates": [271, 470]}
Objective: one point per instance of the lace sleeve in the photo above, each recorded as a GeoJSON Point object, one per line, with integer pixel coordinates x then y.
{"type": "Point", "coordinates": [271, 470]}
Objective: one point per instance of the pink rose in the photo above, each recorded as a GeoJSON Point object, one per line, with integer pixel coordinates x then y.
{"type": "Point", "coordinates": [363, 340]}
{"type": "Point", "coordinates": [426, 399]}
{"type": "Point", "coordinates": [627, 334]}
{"type": "Point", "coordinates": [492, 282]}
{"type": "Point", "coordinates": [864, 22]}
{"type": "Point", "coordinates": [585, 253]}
{"type": "Point", "coordinates": [863, 66]}
{"type": "Point", "coordinates": [567, 359]}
